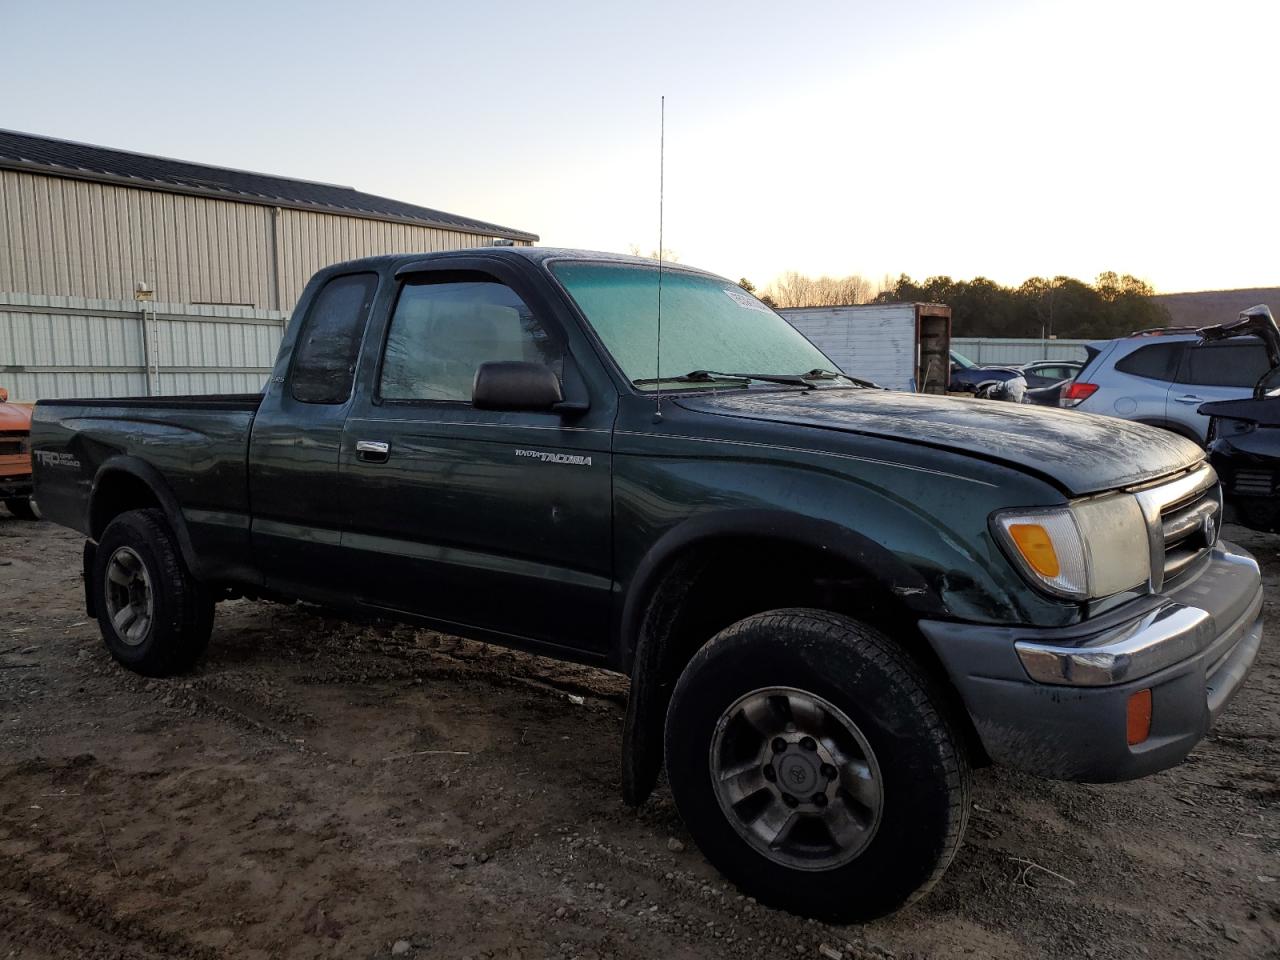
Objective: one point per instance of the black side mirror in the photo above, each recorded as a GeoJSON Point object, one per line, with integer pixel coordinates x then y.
{"type": "Point", "coordinates": [515, 385]}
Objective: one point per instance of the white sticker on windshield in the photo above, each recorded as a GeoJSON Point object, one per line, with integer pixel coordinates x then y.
{"type": "Point", "coordinates": [743, 299]}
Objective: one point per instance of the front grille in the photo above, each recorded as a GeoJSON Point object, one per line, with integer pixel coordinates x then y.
{"type": "Point", "coordinates": [1189, 528]}
{"type": "Point", "coordinates": [1183, 515]}
{"type": "Point", "coordinates": [1253, 483]}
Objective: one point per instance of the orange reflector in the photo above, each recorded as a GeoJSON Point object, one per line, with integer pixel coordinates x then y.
{"type": "Point", "coordinates": [1139, 720]}
{"type": "Point", "coordinates": [1036, 547]}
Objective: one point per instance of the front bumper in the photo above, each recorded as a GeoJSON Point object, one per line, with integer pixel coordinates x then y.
{"type": "Point", "coordinates": [1054, 701]}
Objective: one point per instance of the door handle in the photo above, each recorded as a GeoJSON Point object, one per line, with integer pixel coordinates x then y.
{"type": "Point", "coordinates": [373, 451]}
{"type": "Point", "coordinates": [1188, 398]}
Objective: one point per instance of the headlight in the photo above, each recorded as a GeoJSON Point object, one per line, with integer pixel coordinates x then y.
{"type": "Point", "coordinates": [1084, 551]}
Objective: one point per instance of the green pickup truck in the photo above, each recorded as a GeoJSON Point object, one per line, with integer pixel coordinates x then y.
{"type": "Point", "coordinates": [833, 601]}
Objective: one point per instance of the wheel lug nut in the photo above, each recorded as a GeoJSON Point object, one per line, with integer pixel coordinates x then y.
{"type": "Point", "coordinates": [819, 800]}
{"type": "Point", "coordinates": [789, 800]}
{"type": "Point", "coordinates": [779, 744]}
{"type": "Point", "coordinates": [828, 771]}
{"type": "Point", "coordinates": [770, 774]}
{"type": "Point", "coordinates": [809, 744]}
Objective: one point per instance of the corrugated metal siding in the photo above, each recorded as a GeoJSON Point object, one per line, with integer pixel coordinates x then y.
{"type": "Point", "coordinates": [1008, 350]}
{"type": "Point", "coordinates": [63, 237]}
{"type": "Point", "coordinates": [875, 342]}
{"type": "Point", "coordinates": [309, 241]}
{"type": "Point", "coordinates": [80, 347]}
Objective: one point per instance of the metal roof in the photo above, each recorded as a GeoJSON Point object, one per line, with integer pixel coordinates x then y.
{"type": "Point", "coordinates": [83, 161]}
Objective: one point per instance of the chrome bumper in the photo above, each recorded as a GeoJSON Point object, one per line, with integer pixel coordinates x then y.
{"type": "Point", "coordinates": [1170, 634]}
{"type": "Point", "coordinates": [1054, 701]}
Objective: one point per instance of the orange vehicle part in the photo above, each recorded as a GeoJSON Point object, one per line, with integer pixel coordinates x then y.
{"type": "Point", "coordinates": [15, 448]}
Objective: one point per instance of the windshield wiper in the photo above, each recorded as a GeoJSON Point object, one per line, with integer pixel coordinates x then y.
{"type": "Point", "coordinates": [790, 379]}
{"type": "Point", "coordinates": [711, 376]}
{"type": "Point", "coordinates": [820, 374]}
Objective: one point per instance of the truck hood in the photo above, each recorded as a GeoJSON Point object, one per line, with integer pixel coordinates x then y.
{"type": "Point", "coordinates": [1079, 453]}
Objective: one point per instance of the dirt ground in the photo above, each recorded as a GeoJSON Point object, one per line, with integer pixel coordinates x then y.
{"type": "Point", "coordinates": [321, 789]}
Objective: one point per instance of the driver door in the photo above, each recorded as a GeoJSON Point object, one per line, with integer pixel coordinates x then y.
{"type": "Point", "coordinates": [499, 521]}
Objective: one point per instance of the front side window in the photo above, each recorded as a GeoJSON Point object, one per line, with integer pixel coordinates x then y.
{"type": "Point", "coordinates": [442, 331]}
{"type": "Point", "coordinates": [324, 357]}
{"type": "Point", "coordinates": [1225, 365]}
{"type": "Point", "coordinates": [707, 323]}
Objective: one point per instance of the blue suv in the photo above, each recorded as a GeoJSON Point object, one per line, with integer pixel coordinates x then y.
{"type": "Point", "coordinates": [1161, 377]}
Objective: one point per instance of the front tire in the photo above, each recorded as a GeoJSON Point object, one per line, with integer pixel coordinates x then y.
{"type": "Point", "coordinates": [816, 766]}
{"type": "Point", "coordinates": [154, 616]}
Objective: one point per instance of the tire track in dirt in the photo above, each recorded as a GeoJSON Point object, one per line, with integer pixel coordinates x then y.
{"type": "Point", "coordinates": [61, 916]}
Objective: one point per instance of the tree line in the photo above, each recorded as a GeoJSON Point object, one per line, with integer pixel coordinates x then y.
{"type": "Point", "coordinates": [1112, 306]}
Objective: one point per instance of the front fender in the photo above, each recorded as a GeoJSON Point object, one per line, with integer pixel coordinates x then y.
{"type": "Point", "coordinates": [912, 521]}
{"type": "Point", "coordinates": [880, 564]}
{"type": "Point", "coordinates": [642, 644]}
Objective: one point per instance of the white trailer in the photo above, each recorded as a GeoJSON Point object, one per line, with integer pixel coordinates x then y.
{"type": "Point", "coordinates": [902, 346]}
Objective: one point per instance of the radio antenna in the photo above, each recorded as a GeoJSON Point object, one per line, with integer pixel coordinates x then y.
{"type": "Point", "coordinates": [662, 147]}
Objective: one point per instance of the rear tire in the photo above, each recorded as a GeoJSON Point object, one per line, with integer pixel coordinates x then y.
{"type": "Point", "coordinates": [21, 508]}
{"type": "Point", "coordinates": [154, 616]}
{"type": "Point", "coordinates": [815, 722]}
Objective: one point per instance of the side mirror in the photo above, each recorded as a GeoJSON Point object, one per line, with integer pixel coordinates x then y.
{"type": "Point", "coordinates": [515, 385]}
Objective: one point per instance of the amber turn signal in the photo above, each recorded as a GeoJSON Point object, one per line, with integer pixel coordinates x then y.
{"type": "Point", "coordinates": [1139, 719]}
{"type": "Point", "coordinates": [1036, 547]}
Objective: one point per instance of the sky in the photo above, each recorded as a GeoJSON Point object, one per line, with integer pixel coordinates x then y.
{"type": "Point", "coordinates": [997, 139]}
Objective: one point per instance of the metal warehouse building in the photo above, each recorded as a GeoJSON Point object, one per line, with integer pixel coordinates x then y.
{"type": "Point", "coordinates": [127, 274]}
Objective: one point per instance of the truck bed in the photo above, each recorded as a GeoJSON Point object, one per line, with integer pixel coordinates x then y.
{"type": "Point", "coordinates": [194, 447]}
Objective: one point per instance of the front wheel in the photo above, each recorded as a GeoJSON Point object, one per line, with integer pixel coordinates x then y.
{"type": "Point", "coordinates": [154, 616]}
{"type": "Point", "coordinates": [815, 765]}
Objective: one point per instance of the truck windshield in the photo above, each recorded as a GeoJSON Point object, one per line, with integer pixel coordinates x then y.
{"type": "Point", "coordinates": [707, 324]}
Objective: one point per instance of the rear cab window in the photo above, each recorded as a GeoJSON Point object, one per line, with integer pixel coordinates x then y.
{"type": "Point", "coordinates": [324, 357]}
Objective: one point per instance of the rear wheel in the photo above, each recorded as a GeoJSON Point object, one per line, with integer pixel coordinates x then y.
{"type": "Point", "coordinates": [154, 616]}
{"type": "Point", "coordinates": [815, 765]}
{"type": "Point", "coordinates": [21, 508]}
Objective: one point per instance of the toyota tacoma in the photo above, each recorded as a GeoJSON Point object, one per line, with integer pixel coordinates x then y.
{"type": "Point", "coordinates": [832, 601]}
